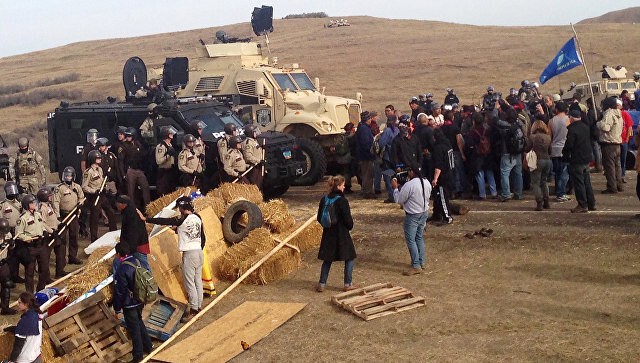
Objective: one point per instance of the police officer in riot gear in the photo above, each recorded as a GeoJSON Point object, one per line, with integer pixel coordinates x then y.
{"type": "Point", "coordinates": [30, 173]}
{"type": "Point", "coordinates": [49, 217]}
{"type": "Point", "coordinates": [147, 129]}
{"type": "Point", "coordinates": [230, 131]}
{"type": "Point", "coordinates": [233, 162]}
{"type": "Point", "coordinates": [132, 165]}
{"type": "Point", "coordinates": [111, 171]}
{"type": "Point", "coordinates": [11, 210]}
{"type": "Point", "coordinates": [92, 138]}
{"type": "Point", "coordinates": [190, 164]}
{"type": "Point", "coordinates": [166, 155]}
{"type": "Point", "coordinates": [92, 186]}
{"type": "Point", "coordinates": [66, 197]}
{"type": "Point", "coordinates": [6, 245]}
{"type": "Point", "coordinates": [252, 153]}
{"type": "Point", "coordinates": [33, 233]}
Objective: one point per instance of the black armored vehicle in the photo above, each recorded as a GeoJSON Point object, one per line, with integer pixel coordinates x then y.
{"type": "Point", "coordinates": [68, 125]}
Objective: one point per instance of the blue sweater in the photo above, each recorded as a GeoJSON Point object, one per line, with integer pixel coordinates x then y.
{"type": "Point", "coordinates": [364, 142]}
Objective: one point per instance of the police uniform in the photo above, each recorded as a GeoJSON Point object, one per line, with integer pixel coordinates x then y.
{"type": "Point", "coordinates": [51, 220]}
{"type": "Point", "coordinates": [166, 174]}
{"type": "Point", "coordinates": [190, 166]}
{"type": "Point", "coordinates": [133, 160]}
{"type": "Point", "coordinates": [147, 130]}
{"type": "Point", "coordinates": [89, 147]}
{"type": "Point", "coordinates": [92, 179]}
{"type": "Point", "coordinates": [198, 147]}
{"type": "Point", "coordinates": [234, 164]}
{"type": "Point", "coordinates": [111, 171]}
{"type": "Point", "coordinates": [252, 153]}
{"type": "Point", "coordinates": [65, 199]}
{"type": "Point", "coordinates": [11, 210]}
{"type": "Point", "coordinates": [223, 146]}
{"type": "Point", "coordinates": [30, 229]}
{"type": "Point", "coordinates": [28, 166]}
{"type": "Point", "coordinates": [6, 244]}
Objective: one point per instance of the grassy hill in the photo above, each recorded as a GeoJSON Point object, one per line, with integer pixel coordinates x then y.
{"type": "Point", "coordinates": [628, 15]}
{"type": "Point", "coordinates": [387, 60]}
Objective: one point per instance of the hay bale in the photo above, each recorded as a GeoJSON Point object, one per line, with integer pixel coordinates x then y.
{"type": "Point", "coordinates": [154, 207]}
{"type": "Point", "coordinates": [217, 204]}
{"type": "Point", "coordinates": [232, 192]}
{"type": "Point", "coordinates": [308, 238]}
{"type": "Point", "coordinates": [240, 257]}
{"type": "Point", "coordinates": [94, 273]}
{"type": "Point", "coordinates": [276, 216]}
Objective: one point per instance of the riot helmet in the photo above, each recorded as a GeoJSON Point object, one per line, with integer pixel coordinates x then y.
{"type": "Point", "coordinates": [189, 139]}
{"type": "Point", "coordinates": [27, 200]}
{"type": "Point", "coordinates": [68, 175]}
{"type": "Point", "coordinates": [11, 190]}
{"type": "Point", "coordinates": [5, 227]}
{"type": "Point", "coordinates": [130, 132]}
{"type": "Point", "coordinates": [165, 131]}
{"type": "Point", "coordinates": [43, 195]}
{"type": "Point", "coordinates": [198, 125]}
{"type": "Point", "coordinates": [102, 141]}
{"type": "Point", "coordinates": [94, 156]}
{"type": "Point", "coordinates": [490, 89]}
{"type": "Point", "coordinates": [234, 141]}
{"type": "Point", "coordinates": [92, 136]}
{"type": "Point", "coordinates": [230, 129]}
{"type": "Point", "coordinates": [23, 144]}
{"type": "Point", "coordinates": [120, 132]}
{"type": "Point", "coordinates": [251, 131]}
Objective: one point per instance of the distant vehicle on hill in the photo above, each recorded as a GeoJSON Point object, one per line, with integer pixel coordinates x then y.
{"type": "Point", "coordinates": [610, 81]}
{"type": "Point", "coordinates": [337, 23]}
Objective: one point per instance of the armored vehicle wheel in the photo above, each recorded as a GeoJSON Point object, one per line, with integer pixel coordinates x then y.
{"type": "Point", "coordinates": [316, 162]}
{"type": "Point", "coordinates": [232, 228]}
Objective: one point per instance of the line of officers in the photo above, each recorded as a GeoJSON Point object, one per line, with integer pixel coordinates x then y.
{"type": "Point", "coordinates": [33, 225]}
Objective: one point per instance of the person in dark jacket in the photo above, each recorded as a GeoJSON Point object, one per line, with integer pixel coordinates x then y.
{"type": "Point", "coordinates": [336, 243]}
{"type": "Point", "coordinates": [28, 333]}
{"type": "Point", "coordinates": [424, 133]}
{"type": "Point", "coordinates": [593, 115]}
{"type": "Point", "coordinates": [364, 154]}
{"type": "Point", "coordinates": [577, 152]}
{"type": "Point", "coordinates": [481, 165]}
{"type": "Point", "coordinates": [124, 303]}
{"type": "Point", "coordinates": [133, 231]}
{"type": "Point", "coordinates": [443, 160]}
{"type": "Point", "coordinates": [405, 150]}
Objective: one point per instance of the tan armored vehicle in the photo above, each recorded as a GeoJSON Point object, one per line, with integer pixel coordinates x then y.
{"type": "Point", "coordinates": [610, 81]}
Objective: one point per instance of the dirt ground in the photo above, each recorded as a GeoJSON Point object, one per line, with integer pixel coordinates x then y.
{"type": "Point", "coordinates": [545, 286]}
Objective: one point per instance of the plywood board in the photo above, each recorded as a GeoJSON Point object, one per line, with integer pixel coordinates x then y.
{"type": "Point", "coordinates": [216, 246]}
{"type": "Point", "coordinates": [220, 340]}
{"type": "Point", "coordinates": [166, 264]}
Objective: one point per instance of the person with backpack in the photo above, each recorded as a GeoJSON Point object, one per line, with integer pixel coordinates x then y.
{"type": "Point", "coordinates": [133, 231]}
{"type": "Point", "coordinates": [481, 161]}
{"type": "Point", "coordinates": [125, 303]}
{"type": "Point", "coordinates": [334, 214]}
{"type": "Point", "coordinates": [510, 147]}
{"type": "Point", "coordinates": [191, 241]}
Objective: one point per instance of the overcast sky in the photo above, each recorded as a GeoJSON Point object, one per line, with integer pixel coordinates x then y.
{"type": "Point", "coordinates": [34, 25]}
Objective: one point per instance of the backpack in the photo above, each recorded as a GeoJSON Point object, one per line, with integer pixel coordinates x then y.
{"type": "Point", "coordinates": [515, 140]}
{"type": "Point", "coordinates": [484, 145]}
{"type": "Point", "coordinates": [328, 216]}
{"type": "Point", "coordinates": [145, 288]}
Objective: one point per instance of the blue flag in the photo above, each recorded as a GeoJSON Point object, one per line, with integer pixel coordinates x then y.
{"type": "Point", "coordinates": [566, 59]}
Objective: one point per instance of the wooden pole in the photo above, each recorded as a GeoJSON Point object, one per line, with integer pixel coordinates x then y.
{"type": "Point", "coordinates": [229, 289]}
{"type": "Point", "coordinates": [584, 65]}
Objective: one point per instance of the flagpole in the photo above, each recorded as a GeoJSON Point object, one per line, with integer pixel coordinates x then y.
{"type": "Point", "coordinates": [584, 65]}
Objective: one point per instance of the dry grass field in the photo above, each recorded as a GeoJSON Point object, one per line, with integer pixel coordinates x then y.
{"type": "Point", "coordinates": [547, 286]}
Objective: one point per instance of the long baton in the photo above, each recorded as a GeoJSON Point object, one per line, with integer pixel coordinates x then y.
{"type": "Point", "coordinates": [243, 174]}
{"type": "Point", "coordinates": [264, 143]}
{"type": "Point", "coordinates": [104, 183]}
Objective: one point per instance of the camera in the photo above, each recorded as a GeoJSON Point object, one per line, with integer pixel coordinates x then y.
{"type": "Point", "coordinates": [402, 176]}
{"type": "Point", "coordinates": [490, 99]}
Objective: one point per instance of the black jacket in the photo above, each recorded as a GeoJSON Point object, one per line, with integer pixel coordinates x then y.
{"type": "Point", "coordinates": [406, 151]}
{"type": "Point", "coordinates": [133, 231]}
{"type": "Point", "coordinates": [577, 148]}
{"type": "Point", "coordinates": [336, 243]}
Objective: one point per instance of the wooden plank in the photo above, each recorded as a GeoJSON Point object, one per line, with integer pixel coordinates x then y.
{"type": "Point", "coordinates": [231, 287]}
{"type": "Point", "coordinates": [378, 300]}
{"type": "Point", "coordinates": [75, 309]}
{"type": "Point", "coordinates": [362, 290]}
{"type": "Point", "coordinates": [392, 306]}
{"type": "Point", "coordinates": [166, 264]}
{"type": "Point", "coordinates": [220, 340]}
{"type": "Point", "coordinates": [216, 245]}
{"type": "Point", "coordinates": [384, 313]}
{"type": "Point", "coordinates": [378, 294]}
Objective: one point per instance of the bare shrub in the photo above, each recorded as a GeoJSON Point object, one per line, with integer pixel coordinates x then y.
{"type": "Point", "coordinates": [319, 14]}
{"type": "Point", "coordinates": [17, 88]}
{"type": "Point", "coordinates": [40, 96]}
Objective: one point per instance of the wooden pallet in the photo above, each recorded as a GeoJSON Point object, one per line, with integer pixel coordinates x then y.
{"type": "Point", "coordinates": [87, 332]}
{"type": "Point", "coordinates": [378, 300]}
{"type": "Point", "coordinates": [162, 317]}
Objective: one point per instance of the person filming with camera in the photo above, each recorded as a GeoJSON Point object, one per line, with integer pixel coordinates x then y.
{"type": "Point", "coordinates": [414, 198]}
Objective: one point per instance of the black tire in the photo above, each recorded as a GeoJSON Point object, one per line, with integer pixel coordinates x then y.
{"type": "Point", "coordinates": [274, 192]}
{"type": "Point", "coordinates": [234, 232]}
{"type": "Point", "coordinates": [316, 162]}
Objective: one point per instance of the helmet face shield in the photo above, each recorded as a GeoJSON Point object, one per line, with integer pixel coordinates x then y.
{"type": "Point", "coordinates": [11, 188]}
{"type": "Point", "coordinates": [68, 175]}
{"type": "Point", "coordinates": [172, 130]}
{"type": "Point", "coordinates": [92, 136]}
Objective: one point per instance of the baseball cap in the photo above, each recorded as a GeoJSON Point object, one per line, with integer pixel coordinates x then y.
{"type": "Point", "coordinates": [576, 114]}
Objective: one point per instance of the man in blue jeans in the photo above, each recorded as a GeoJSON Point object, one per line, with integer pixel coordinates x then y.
{"type": "Point", "coordinates": [414, 198]}
{"type": "Point", "coordinates": [504, 117]}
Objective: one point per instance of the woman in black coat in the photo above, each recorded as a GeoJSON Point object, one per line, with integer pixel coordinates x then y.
{"type": "Point", "coordinates": [336, 243]}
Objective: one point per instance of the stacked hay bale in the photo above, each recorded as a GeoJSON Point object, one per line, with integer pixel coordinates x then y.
{"type": "Point", "coordinates": [93, 273]}
{"type": "Point", "coordinates": [277, 217]}
{"type": "Point", "coordinates": [241, 256]}
{"type": "Point", "coordinates": [232, 192]}
{"type": "Point", "coordinates": [308, 239]}
{"type": "Point", "coordinates": [157, 205]}
{"type": "Point", "coordinates": [48, 354]}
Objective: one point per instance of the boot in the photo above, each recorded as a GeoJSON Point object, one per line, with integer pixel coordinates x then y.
{"type": "Point", "coordinates": [545, 203]}
{"type": "Point", "coordinates": [5, 297]}
{"type": "Point", "coordinates": [538, 204]}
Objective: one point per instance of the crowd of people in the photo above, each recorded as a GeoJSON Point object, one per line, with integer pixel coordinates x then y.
{"type": "Point", "coordinates": [477, 152]}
